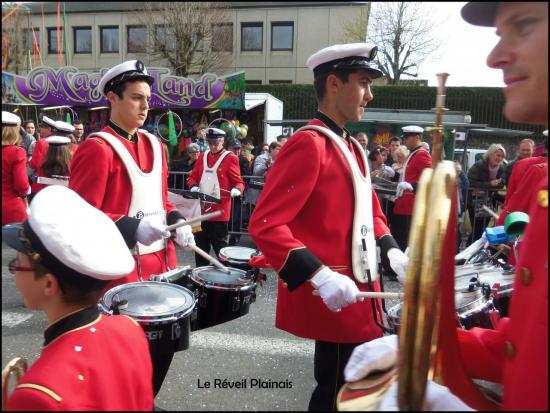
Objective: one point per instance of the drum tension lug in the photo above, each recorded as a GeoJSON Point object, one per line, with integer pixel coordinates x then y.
{"type": "Point", "coordinates": [236, 303]}
{"type": "Point", "coordinates": [202, 300]}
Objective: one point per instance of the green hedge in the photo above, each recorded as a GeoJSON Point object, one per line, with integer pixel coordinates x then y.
{"type": "Point", "coordinates": [484, 103]}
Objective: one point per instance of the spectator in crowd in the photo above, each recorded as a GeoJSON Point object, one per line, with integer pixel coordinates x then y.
{"type": "Point", "coordinates": [395, 143]}
{"type": "Point", "coordinates": [262, 163]}
{"type": "Point", "coordinates": [200, 139]}
{"type": "Point", "coordinates": [90, 361]}
{"type": "Point", "coordinates": [236, 205]}
{"type": "Point", "coordinates": [282, 139]}
{"type": "Point", "coordinates": [78, 131]}
{"type": "Point", "coordinates": [526, 150]}
{"type": "Point", "coordinates": [216, 173]}
{"type": "Point", "coordinates": [378, 168]}
{"type": "Point", "coordinates": [27, 131]}
{"type": "Point", "coordinates": [462, 188]}
{"type": "Point", "coordinates": [15, 183]}
{"type": "Point", "coordinates": [400, 154]}
{"type": "Point", "coordinates": [264, 149]}
{"type": "Point", "coordinates": [363, 139]}
{"type": "Point", "coordinates": [186, 165]}
{"type": "Point", "coordinates": [485, 176]}
{"type": "Point", "coordinates": [247, 148]}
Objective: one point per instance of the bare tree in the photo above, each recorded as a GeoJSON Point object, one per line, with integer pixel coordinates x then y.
{"type": "Point", "coordinates": [13, 53]}
{"type": "Point", "coordinates": [403, 33]}
{"type": "Point", "coordinates": [191, 36]}
{"type": "Point", "coordinates": [355, 29]}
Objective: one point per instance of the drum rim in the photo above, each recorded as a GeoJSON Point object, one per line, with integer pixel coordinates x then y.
{"type": "Point", "coordinates": [151, 319]}
{"type": "Point", "coordinates": [215, 286]}
{"type": "Point", "coordinates": [175, 274]}
{"type": "Point", "coordinates": [233, 259]}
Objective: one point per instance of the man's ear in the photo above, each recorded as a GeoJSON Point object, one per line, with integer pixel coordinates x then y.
{"type": "Point", "coordinates": [112, 97]}
{"type": "Point", "coordinates": [51, 286]}
{"type": "Point", "coordinates": [332, 84]}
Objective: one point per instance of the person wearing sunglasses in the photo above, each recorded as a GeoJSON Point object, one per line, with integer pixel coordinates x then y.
{"type": "Point", "coordinates": [66, 253]}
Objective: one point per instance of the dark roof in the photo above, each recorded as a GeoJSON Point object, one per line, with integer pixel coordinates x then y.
{"type": "Point", "coordinates": [104, 6]}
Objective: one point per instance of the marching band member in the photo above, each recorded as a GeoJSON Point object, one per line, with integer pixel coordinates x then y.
{"type": "Point", "coordinates": [15, 183]}
{"type": "Point", "coordinates": [419, 159]}
{"type": "Point", "coordinates": [304, 221]}
{"type": "Point", "coordinates": [122, 171]}
{"type": "Point", "coordinates": [67, 252]}
{"type": "Point", "coordinates": [516, 352]}
{"type": "Point", "coordinates": [216, 173]}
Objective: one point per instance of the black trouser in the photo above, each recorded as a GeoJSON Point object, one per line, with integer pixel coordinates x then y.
{"type": "Point", "coordinates": [236, 212]}
{"type": "Point", "coordinates": [213, 233]}
{"type": "Point", "coordinates": [161, 364]}
{"type": "Point", "coordinates": [401, 225]}
{"type": "Point", "coordinates": [328, 366]}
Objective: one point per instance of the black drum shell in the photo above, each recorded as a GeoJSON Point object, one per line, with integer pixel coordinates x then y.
{"type": "Point", "coordinates": [227, 259]}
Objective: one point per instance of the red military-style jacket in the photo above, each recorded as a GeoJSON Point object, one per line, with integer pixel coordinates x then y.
{"type": "Point", "coordinates": [419, 159]}
{"type": "Point", "coordinates": [303, 220]}
{"type": "Point", "coordinates": [99, 176]}
{"type": "Point", "coordinates": [36, 161]}
{"type": "Point", "coordinates": [15, 184]}
{"type": "Point", "coordinates": [516, 353]}
{"type": "Point", "coordinates": [89, 362]}
{"type": "Point", "coordinates": [229, 177]}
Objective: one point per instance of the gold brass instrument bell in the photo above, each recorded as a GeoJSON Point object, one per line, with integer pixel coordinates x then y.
{"type": "Point", "coordinates": [16, 367]}
{"type": "Point", "coordinates": [428, 342]}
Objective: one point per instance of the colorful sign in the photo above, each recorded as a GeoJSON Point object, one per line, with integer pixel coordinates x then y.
{"type": "Point", "coordinates": [47, 86]}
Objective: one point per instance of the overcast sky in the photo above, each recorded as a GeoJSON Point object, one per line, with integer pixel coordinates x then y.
{"type": "Point", "coordinates": [464, 51]}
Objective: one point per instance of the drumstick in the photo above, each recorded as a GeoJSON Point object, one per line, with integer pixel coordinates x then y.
{"type": "Point", "coordinates": [487, 209]}
{"type": "Point", "coordinates": [194, 220]}
{"type": "Point", "coordinates": [374, 294]}
{"type": "Point", "coordinates": [213, 260]}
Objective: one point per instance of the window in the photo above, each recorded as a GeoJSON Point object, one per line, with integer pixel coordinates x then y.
{"type": "Point", "coordinates": [252, 37]}
{"type": "Point", "coordinates": [222, 37]}
{"type": "Point", "coordinates": [280, 82]}
{"type": "Point", "coordinates": [109, 39]}
{"type": "Point", "coordinates": [82, 39]}
{"type": "Point", "coordinates": [166, 38]}
{"type": "Point", "coordinates": [282, 36]}
{"type": "Point", "coordinates": [29, 38]}
{"type": "Point", "coordinates": [52, 40]}
{"type": "Point", "coordinates": [136, 38]}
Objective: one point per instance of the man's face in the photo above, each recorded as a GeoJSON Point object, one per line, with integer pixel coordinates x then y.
{"type": "Point", "coordinates": [363, 140]}
{"type": "Point", "coordinates": [30, 128]}
{"type": "Point", "coordinates": [45, 131]}
{"type": "Point", "coordinates": [215, 145]}
{"type": "Point", "coordinates": [236, 150]}
{"type": "Point", "coordinates": [525, 150]}
{"type": "Point", "coordinates": [78, 131]}
{"type": "Point", "coordinates": [353, 96]}
{"type": "Point", "coordinates": [131, 111]}
{"type": "Point", "coordinates": [410, 141]}
{"type": "Point", "coordinates": [201, 134]}
{"type": "Point", "coordinates": [274, 152]}
{"type": "Point", "coordinates": [394, 146]}
{"type": "Point", "coordinates": [522, 55]}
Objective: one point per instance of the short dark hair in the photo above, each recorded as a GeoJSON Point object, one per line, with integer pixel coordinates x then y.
{"type": "Point", "coordinates": [77, 122]}
{"type": "Point", "coordinates": [119, 88]}
{"type": "Point", "coordinates": [24, 125]}
{"type": "Point", "coordinates": [378, 150]}
{"type": "Point", "coordinates": [274, 145]}
{"type": "Point", "coordinates": [320, 82]}
{"type": "Point", "coordinates": [395, 139]}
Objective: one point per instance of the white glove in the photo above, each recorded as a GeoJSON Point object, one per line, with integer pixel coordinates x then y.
{"type": "Point", "coordinates": [235, 192]}
{"type": "Point", "coordinates": [29, 192]}
{"type": "Point", "coordinates": [402, 187]}
{"type": "Point", "coordinates": [195, 189]}
{"type": "Point", "coordinates": [149, 231]}
{"type": "Point", "coordinates": [398, 263]}
{"type": "Point", "coordinates": [472, 249]}
{"type": "Point", "coordinates": [376, 355]}
{"type": "Point", "coordinates": [336, 290]}
{"type": "Point", "coordinates": [437, 398]}
{"type": "Point", "coordinates": [184, 236]}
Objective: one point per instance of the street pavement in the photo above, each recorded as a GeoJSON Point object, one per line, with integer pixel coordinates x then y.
{"type": "Point", "coordinates": [248, 363]}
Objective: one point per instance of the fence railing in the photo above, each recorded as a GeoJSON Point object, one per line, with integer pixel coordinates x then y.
{"type": "Point", "coordinates": [472, 220]}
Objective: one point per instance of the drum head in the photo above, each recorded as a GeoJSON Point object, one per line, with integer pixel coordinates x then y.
{"type": "Point", "coordinates": [466, 282]}
{"type": "Point", "coordinates": [151, 301]}
{"type": "Point", "coordinates": [505, 279]}
{"type": "Point", "coordinates": [237, 254]}
{"type": "Point", "coordinates": [211, 276]}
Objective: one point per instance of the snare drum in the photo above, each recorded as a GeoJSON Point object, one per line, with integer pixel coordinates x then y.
{"type": "Point", "coordinates": [163, 310]}
{"type": "Point", "coordinates": [237, 257]}
{"type": "Point", "coordinates": [501, 283]}
{"type": "Point", "coordinates": [221, 296]}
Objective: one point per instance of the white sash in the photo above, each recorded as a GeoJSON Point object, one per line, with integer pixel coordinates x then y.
{"type": "Point", "coordinates": [146, 187]}
{"type": "Point", "coordinates": [209, 183]}
{"type": "Point", "coordinates": [363, 244]}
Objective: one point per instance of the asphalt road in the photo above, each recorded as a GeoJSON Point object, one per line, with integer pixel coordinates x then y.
{"type": "Point", "coordinates": [273, 369]}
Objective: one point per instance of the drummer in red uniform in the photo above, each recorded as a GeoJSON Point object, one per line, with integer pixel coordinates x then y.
{"type": "Point", "coordinates": [122, 171]}
{"type": "Point", "coordinates": [67, 252]}
{"type": "Point", "coordinates": [516, 352]}
{"type": "Point", "coordinates": [216, 173]}
{"type": "Point", "coordinates": [419, 159]}
{"type": "Point", "coordinates": [318, 222]}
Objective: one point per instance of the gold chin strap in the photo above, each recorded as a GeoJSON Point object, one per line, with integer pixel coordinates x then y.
{"type": "Point", "coordinates": [16, 367]}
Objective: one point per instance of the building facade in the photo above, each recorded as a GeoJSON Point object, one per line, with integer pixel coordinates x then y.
{"type": "Point", "coordinates": [270, 41]}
